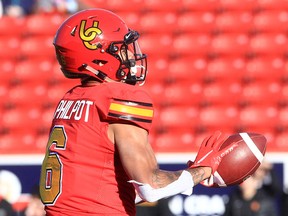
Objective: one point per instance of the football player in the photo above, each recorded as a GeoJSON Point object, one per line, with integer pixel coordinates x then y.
{"type": "Point", "coordinates": [98, 156]}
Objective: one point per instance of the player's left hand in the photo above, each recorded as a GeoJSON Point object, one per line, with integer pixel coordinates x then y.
{"type": "Point", "coordinates": [210, 155]}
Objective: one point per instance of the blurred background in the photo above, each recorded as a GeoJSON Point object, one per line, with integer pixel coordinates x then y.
{"type": "Point", "coordinates": [213, 65]}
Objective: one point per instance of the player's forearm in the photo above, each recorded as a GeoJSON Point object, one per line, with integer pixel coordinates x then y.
{"type": "Point", "coordinates": [165, 184]}
{"type": "Point", "coordinates": [199, 174]}
{"type": "Point", "coordinates": [161, 178]}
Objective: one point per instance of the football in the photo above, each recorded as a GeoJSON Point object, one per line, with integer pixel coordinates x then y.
{"type": "Point", "coordinates": [243, 161]}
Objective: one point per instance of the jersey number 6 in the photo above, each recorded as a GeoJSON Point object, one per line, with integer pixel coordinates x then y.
{"type": "Point", "coordinates": [51, 172]}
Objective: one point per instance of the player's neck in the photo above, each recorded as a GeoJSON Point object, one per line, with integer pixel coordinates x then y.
{"type": "Point", "coordinates": [90, 81]}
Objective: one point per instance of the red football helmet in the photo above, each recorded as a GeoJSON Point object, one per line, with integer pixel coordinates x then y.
{"type": "Point", "coordinates": [98, 43]}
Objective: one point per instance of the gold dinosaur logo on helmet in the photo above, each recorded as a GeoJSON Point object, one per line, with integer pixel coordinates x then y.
{"type": "Point", "coordinates": [89, 34]}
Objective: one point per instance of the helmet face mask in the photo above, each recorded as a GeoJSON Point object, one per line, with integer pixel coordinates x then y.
{"type": "Point", "coordinates": [133, 62]}
{"type": "Point", "coordinates": [100, 39]}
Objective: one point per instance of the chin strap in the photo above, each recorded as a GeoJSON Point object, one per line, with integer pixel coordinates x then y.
{"type": "Point", "coordinates": [99, 74]}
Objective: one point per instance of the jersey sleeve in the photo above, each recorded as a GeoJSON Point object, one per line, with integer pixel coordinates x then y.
{"type": "Point", "coordinates": [130, 105]}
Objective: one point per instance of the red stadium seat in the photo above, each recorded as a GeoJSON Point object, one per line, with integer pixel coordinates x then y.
{"type": "Point", "coordinates": [121, 5]}
{"type": "Point", "coordinates": [23, 143]}
{"type": "Point", "coordinates": [187, 69]}
{"type": "Point", "coordinates": [178, 117]}
{"type": "Point", "coordinates": [284, 95]}
{"type": "Point", "coordinates": [27, 95]}
{"type": "Point", "coordinates": [261, 69]}
{"type": "Point", "coordinates": [226, 68]}
{"type": "Point", "coordinates": [203, 5]}
{"type": "Point", "coordinates": [222, 93]}
{"type": "Point", "coordinates": [271, 21]}
{"type": "Point", "coordinates": [230, 44]}
{"type": "Point", "coordinates": [258, 118]}
{"type": "Point", "coordinates": [33, 70]}
{"type": "Point", "coordinates": [4, 89]}
{"type": "Point", "coordinates": [12, 26]}
{"type": "Point", "coordinates": [131, 18]}
{"type": "Point", "coordinates": [199, 22]}
{"type": "Point", "coordinates": [43, 24]}
{"type": "Point", "coordinates": [95, 3]}
{"type": "Point", "coordinates": [223, 118]}
{"type": "Point", "coordinates": [191, 44]}
{"type": "Point", "coordinates": [269, 44]}
{"type": "Point", "coordinates": [7, 68]}
{"type": "Point", "coordinates": [9, 47]}
{"type": "Point", "coordinates": [265, 93]}
{"type": "Point", "coordinates": [161, 5]}
{"type": "Point", "coordinates": [41, 142]}
{"type": "Point", "coordinates": [179, 94]}
{"type": "Point", "coordinates": [175, 142]}
{"type": "Point", "coordinates": [283, 117]}
{"type": "Point", "coordinates": [247, 5]}
{"type": "Point", "coordinates": [272, 4]}
{"type": "Point", "coordinates": [22, 119]}
{"type": "Point", "coordinates": [26, 120]}
{"type": "Point", "coordinates": [234, 22]}
{"type": "Point", "coordinates": [37, 46]}
{"type": "Point", "coordinates": [157, 70]}
{"type": "Point", "coordinates": [156, 44]}
{"type": "Point", "coordinates": [158, 22]}
{"type": "Point", "coordinates": [280, 142]}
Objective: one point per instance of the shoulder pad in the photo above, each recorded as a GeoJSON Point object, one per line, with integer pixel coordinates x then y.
{"type": "Point", "coordinates": [131, 104]}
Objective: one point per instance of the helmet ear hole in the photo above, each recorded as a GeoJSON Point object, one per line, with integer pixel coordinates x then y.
{"type": "Point", "coordinates": [99, 62]}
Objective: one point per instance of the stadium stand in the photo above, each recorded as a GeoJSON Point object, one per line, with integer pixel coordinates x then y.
{"type": "Point", "coordinates": [188, 94]}
{"type": "Point", "coordinates": [226, 68]}
{"type": "Point", "coordinates": [234, 22]}
{"type": "Point", "coordinates": [225, 92]}
{"type": "Point", "coordinates": [43, 66]}
{"type": "Point", "coordinates": [209, 118]}
{"type": "Point", "coordinates": [219, 64]}
{"type": "Point", "coordinates": [269, 44]}
{"type": "Point", "coordinates": [149, 22]}
{"type": "Point", "coordinates": [265, 68]}
{"type": "Point", "coordinates": [30, 46]}
{"type": "Point", "coordinates": [36, 24]}
{"type": "Point", "coordinates": [8, 46]}
{"type": "Point", "coordinates": [272, 4]}
{"type": "Point", "coordinates": [191, 44]}
{"type": "Point", "coordinates": [271, 21]}
{"type": "Point", "coordinates": [187, 69]}
{"type": "Point", "coordinates": [230, 44]}
{"type": "Point", "coordinates": [163, 42]}
{"type": "Point", "coordinates": [7, 68]}
{"type": "Point", "coordinates": [196, 22]}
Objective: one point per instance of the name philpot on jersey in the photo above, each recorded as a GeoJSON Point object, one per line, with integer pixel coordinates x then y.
{"type": "Point", "coordinates": [73, 109]}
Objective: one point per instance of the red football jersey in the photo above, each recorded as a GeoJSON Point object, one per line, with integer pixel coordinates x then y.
{"type": "Point", "coordinates": [82, 173]}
